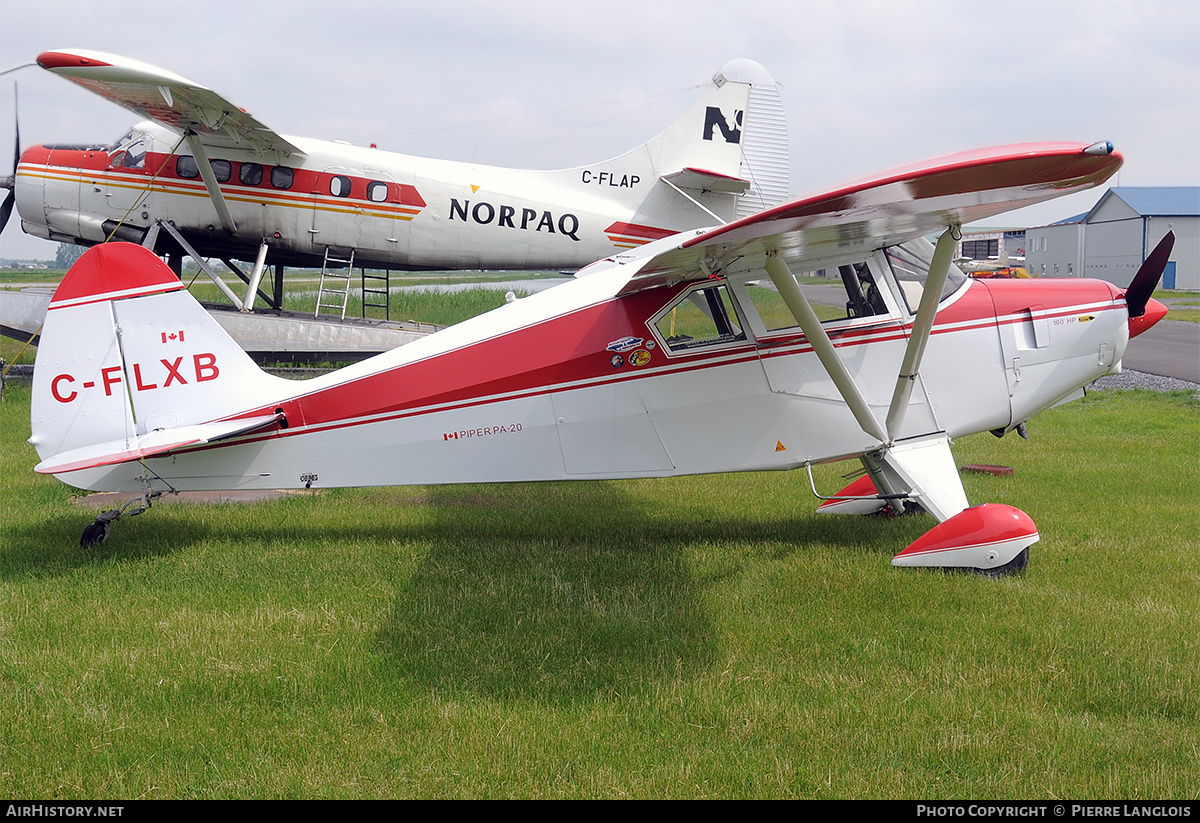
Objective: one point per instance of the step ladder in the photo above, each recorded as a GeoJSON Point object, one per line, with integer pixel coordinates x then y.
{"type": "Point", "coordinates": [376, 293]}
{"type": "Point", "coordinates": [337, 293]}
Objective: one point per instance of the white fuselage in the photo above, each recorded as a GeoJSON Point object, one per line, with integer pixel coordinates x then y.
{"type": "Point", "coordinates": [581, 381]}
{"type": "Point", "coordinates": [394, 210]}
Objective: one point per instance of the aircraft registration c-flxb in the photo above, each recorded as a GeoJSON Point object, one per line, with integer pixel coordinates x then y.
{"type": "Point", "coordinates": [695, 353]}
{"type": "Point", "coordinates": [234, 189]}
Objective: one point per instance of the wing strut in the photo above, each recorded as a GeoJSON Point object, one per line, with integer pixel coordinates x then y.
{"type": "Point", "coordinates": [200, 261]}
{"type": "Point", "coordinates": [939, 269]}
{"type": "Point", "coordinates": [798, 304]}
{"type": "Point", "coordinates": [210, 181]}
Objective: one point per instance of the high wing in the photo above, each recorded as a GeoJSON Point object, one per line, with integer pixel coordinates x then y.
{"type": "Point", "coordinates": [936, 197]}
{"type": "Point", "coordinates": [888, 210]}
{"type": "Point", "coordinates": [168, 99]}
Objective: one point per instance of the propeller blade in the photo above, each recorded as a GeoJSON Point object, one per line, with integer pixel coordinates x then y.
{"type": "Point", "coordinates": [17, 130]}
{"type": "Point", "coordinates": [11, 182]}
{"type": "Point", "coordinates": [6, 209]}
{"type": "Point", "coordinates": [1147, 277]}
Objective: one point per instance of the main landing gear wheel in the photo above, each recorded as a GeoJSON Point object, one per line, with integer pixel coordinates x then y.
{"type": "Point", "coordinates": [991, 540]}
{"type": "Point", "coordinates": [1015, 566]}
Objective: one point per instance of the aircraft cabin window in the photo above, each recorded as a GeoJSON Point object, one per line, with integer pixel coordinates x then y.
{"type": "Point", "coordinates": [222, 170]}
{"type": "Point", "coordinates": [856, 295]}
{"type": "Point", "coordinates": [282, 177]}
{"type": "Point", "coordinates": [185, 167]}
{"type": "Point", "coordinates": [250, 174]}
{"type": "Point", "coordinates": [703, 317]}
{"type": "Point", "coordinates": [339, 186]}
{"type": "Point", "coordinates": [910, 263]}
{"type": "Point", "coordinates": [377, 191]}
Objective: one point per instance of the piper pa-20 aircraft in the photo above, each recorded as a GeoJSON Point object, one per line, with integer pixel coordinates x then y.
{"type": "Point", "coordinates": [673, 358]}
{"type": "Point", "coordinates": [233, 188]}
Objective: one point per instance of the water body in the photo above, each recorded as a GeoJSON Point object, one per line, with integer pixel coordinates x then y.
{"type": "Point", "coordinates": [527, 286]}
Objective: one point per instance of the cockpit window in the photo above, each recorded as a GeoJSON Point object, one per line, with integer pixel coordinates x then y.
{"type": "Point", "coordinates": [127, 137]}
{"type": "Point", "coordinates": [702, 317]}
{"type": "Point", "coordinates": [910, 263]}
{"type": "Point", "coordinates": [129, 152]}
{"type": "Point", "coordinates": [847, 292]}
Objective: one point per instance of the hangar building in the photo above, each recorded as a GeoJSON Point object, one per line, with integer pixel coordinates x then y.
{"type": "Point", "coordinates": [1112, 240]}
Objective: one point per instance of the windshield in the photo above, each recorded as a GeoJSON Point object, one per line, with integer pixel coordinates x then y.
{"type": "Point", "coordinates": [910, 264]}
{"type": "Point", "coordinates": [130, 151]}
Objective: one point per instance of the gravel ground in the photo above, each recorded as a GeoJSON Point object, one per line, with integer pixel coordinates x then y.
{"type": "Point", "coordinates": [1141, 380]}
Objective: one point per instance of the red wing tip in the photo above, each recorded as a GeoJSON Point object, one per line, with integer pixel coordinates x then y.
{"type": "Point", "coordinates": [67, 60]}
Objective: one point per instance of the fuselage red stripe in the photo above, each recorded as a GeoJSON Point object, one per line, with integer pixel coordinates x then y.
{"type": "Point", "coordinates": [732, 355]}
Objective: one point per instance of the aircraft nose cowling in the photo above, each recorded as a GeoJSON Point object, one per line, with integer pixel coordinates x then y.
{"type": "Point", "coordinates": [1154, 312]}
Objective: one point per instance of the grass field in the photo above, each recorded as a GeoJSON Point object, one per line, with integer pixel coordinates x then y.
{"type": "Point", "coordinates": [692, 638]}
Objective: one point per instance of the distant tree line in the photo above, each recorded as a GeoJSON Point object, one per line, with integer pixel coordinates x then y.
{"type": "Point", "coordinates": [68, 253]}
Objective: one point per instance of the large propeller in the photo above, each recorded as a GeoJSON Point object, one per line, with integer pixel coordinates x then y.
{"type": "Point", "coordinates": [10, 182]}
{"type": "Point", "coordinates": [1147, 277]}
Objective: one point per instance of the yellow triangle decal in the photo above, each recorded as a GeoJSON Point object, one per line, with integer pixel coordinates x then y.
{"type": "Point", "coordinates": [779, 447]}
{"type": "Point", "coordinates": [474, 189]}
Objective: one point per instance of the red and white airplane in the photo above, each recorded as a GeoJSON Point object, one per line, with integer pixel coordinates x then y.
{"type": "Point", "coordinates": [235, 189]}
{"type": "Point", "coordinates": [696, 353]}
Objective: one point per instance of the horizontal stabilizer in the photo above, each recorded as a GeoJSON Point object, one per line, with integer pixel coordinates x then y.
{"type": "Point", "coordinates": [702, 180]}
{"type": "Point", "coordinates": [154, 444]}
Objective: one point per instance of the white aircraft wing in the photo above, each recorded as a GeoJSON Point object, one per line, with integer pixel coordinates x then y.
{"type": "Point", "coordinates": [168, 99]}
{"type": "Point", "coordinates": [893, 208]}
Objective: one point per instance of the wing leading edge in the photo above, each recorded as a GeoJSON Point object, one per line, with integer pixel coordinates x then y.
{"type": "Point", "coordinates": [887, 210]}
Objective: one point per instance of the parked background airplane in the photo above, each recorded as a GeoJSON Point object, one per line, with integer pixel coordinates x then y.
{"type": "Point", "coordinates": [234, 188]}
{"type": "Point", "coordinates": [668, 359]}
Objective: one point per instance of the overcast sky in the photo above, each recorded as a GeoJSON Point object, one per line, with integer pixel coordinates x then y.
{"type": "Point", "coordinates": [867, 84]}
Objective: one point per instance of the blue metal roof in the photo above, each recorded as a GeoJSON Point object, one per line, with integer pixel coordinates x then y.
{"type": "Point", "coordinates": [1161, 201]}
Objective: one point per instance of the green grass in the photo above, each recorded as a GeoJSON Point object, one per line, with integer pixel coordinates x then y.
{"type": "Point", "coordinates": [439, 308]}
{"type": "Point", "coordinates": [30, 277]}
{"type": "Point", "coordinates": [688, 638]}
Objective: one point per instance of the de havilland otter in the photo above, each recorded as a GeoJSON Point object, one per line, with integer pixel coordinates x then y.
{"type": "Point", "coordinates": [234, 188]}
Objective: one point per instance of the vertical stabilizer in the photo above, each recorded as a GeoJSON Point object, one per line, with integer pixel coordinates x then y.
{"type": "Point", "coordinates": [725, 158]}
{"type": "Point", "coordinates": [735, 130]}
{"type": "Point", "coordinates": [127, 353]}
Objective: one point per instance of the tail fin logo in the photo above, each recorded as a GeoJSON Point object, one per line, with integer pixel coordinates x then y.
{"type": "Point", "coordinates": [714, 117]}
